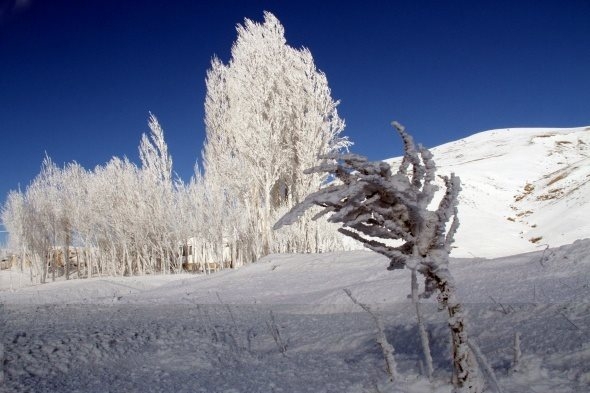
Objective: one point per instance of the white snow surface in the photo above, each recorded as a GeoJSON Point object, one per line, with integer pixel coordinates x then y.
{"type": "Point", "coordinates": [213, 333]}
{"type": "Point", "coordinates": [498, 215]}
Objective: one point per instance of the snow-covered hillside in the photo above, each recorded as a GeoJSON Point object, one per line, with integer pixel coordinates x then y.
{"type": "Point", "coordinates": [216, 333]}
{"type": "Point", "coordinates": [523, 189]}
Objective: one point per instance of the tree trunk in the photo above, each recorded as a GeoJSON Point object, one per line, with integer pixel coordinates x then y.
{"type": "Point", "coordinates": [421, 328]}
{"type": "Point", "coordinates": [77, 262]}
{"type": "Point", "coordinates": [54, 257]}
{"type": "Point", "coordinates": [266, 235]}
{"type": "Point", "coordinates": [44, 271]}
{"type": "Point", "coordinates": [22, 260]}
{"type": "Point", "coordinates": [89, 263]}
{"type": "Point", "coordinates": [467, 374]}
{"type": "Point", "coordinates": [67, 255]}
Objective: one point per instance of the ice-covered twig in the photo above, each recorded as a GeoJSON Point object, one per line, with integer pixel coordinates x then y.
{"type": "Point", "coordinates": [386, 347]}
{"type": "Point", "coordinates": [486, 366]}
{"type": "Point", "coordinates": [273, 328]}
{"type": "Point", "coordinates": [517, 354]}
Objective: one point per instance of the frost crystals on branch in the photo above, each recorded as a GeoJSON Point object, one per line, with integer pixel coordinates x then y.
{"type": "Point", "coordinates": [370, 201]}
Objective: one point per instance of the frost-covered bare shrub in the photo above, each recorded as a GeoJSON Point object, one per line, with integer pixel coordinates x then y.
{"type": "Point", "coordinates": [371, 201]}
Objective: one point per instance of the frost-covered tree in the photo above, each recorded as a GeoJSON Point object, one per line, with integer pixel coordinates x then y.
{"type": "Point", "coordinates": [117, 227]}
{"type": "Point", "coordinates": [371, 201]}
{"type": "Point", "coordinates": [75, 202]}
{"type": "Point", "coordinates": [158, 197]}
{"type": "Point", "coordinates": [268, 115]}
{"type": "Point", "coordinates": [153, 153]}
{"type": "Point", "coordinates": [13, 218]}
{"type": "Point", "coordinates": [40, 221]}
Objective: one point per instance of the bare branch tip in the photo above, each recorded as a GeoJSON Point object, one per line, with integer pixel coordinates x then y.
{"type": "Point", "coordinates": [398, 126]}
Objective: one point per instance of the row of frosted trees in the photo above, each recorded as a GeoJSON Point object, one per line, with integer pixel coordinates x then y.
{"type": "Point", "coordinates": [116, 219]}
{"type": "Point", "coordinates": [268, 115]}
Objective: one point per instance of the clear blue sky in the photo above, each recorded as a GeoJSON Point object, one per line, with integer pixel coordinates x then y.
{"type": "Point", "coordinates": [77, 78]}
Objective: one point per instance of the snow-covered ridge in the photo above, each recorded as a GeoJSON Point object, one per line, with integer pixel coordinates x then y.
{"type": "Point", "coordinates": [523, 189]}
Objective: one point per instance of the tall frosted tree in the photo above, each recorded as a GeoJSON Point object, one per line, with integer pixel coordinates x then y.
{"type": "Point", "coordinates": [268, 114]}
{"type": "Point", "coordinates": [158, 196]}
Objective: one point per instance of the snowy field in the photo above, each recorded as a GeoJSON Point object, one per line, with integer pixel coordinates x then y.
{"type": "Point", "coordinates": [284, 324]}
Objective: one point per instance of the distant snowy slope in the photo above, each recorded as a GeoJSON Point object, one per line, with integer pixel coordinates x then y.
{"type": "Point", "coordinates": [522, 188]}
